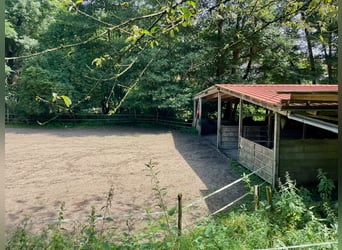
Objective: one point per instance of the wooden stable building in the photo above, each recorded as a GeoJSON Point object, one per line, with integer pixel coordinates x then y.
{"type": "Point", "coordinates": [277, 128]}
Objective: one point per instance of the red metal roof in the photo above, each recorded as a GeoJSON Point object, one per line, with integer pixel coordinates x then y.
{"type": "Point", "coordinates": [272, 94]}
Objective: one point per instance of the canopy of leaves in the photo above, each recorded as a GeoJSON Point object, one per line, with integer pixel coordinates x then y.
{"type": "Point", "coordinates": [152, 56]}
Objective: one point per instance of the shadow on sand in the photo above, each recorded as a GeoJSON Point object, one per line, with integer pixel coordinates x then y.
{"type": "Point", "coordinates": [212, 167]}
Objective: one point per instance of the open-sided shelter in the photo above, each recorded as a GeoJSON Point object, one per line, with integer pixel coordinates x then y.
{"type": "Point", "coordinates": [275, 128]}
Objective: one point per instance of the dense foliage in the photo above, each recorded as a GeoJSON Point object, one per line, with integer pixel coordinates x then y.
{"type": "Point", "coordinates": [152, 56]}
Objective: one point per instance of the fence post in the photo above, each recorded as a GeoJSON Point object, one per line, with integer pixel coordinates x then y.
{"type": "Point", "coordinates": [256, 197]}
{"type": "Point", "coordinates": [269, 196]}
{"type": "Point", "coordinates": [180, 214]}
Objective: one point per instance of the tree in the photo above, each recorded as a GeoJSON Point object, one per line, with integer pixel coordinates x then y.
{"type": "Point", "coordinates": [152, 56]}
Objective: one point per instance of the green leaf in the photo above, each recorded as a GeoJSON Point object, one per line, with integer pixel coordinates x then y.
{"type": "Point", "coordinates": [66, 100]}
{"type": "Point", "coordinates": [70, 54]}
{"type": "Point", "coordinates": [145, 32]}
{"type": "Point", "coordinates": [97, 62]}
{"type": "Point", "coordinates": [55, 97]}
{"type": "Point", "coordinates": [172, 211]}
{"type": "Point", "coordinates": [192, 3]}
{"type": "Point", "coordinates": [109, 219]}
{"type": "Point", "coordinates": [125, 4]}
{"type": "Point", "coordinates": [313, 4]}
{"type": "Point", "coordinates": [66, 3]}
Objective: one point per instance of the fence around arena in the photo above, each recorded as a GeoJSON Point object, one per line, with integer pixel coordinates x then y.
{"type": "Point", "coordinates": [101, 119]}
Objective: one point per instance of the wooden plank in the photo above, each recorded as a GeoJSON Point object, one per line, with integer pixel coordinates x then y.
{"type": "Point", "coordinates": [276, 148]}
{"type": "Point", "coordinates": [240, 119]}
{"type": "Point", "coordinates": [194, 114]}
{"type": "Point", "coordinates": [219, 116]}
{"type": "Point", "coordinates": [210, 97]}
{"type": "Point", "coordinates": [229, 145]}
{"type": "Point", "coordinates": [199, 116]}
{"type": "Point", "coordinates": [229, 134]}
{"type": "Point", "coordinates": [251, 155]}
{"type": "Point", "coordinates": [264, 150]}
{"type": "Point", "coordinates": [230, 131]}
{"type": "Point", "coordinates": [315, 97]}
{"type": "Point", "coordinates": [229, 138]}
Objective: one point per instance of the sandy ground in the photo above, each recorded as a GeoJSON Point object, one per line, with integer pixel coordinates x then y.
{"type": "Point", "coordinates": [45, 167]}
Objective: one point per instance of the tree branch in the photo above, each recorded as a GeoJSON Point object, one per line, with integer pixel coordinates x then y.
{"type": "Point", "coordinates": [112, 112]}
{"type": "Point", "coordinates": [111, 27]}
{"type": "Point", "coordinates": [57, 48]}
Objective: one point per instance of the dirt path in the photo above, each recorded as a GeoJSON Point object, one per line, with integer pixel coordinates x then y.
{"type": "Point", "coordinates": [45, 167]}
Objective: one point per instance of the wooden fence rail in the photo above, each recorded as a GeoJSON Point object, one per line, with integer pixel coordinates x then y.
{"type": "Point", "coordinates": [105, 120]}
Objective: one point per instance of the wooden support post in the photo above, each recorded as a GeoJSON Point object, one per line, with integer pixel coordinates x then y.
{"type": "Point", "coordinates": [269, 197]}
{"type": "Point", "coordinates": [194, 115]}
{"type": "Point", "coordinates": [256, 197]}
{"type": "Point", "coordinates": [276, 148]}
{"type": "Point", "coordinates": [240, 122]}
{"type": "Point", "coordinates": [304, 131]}
{"type": "Point", "coordinates": [180, 214]}
{"type": "Point", "coordinates": [269, 128]}
{"type": "Point", "coordinates": [199, 116]}
{"type": "Point", "coordinates": [219, 116]}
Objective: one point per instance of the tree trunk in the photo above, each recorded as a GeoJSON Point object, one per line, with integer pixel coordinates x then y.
{"type": "Point", "coordinates": [310, 52]}
{"type": "Point", "coordinates": [328, 57]}
{"type": "Point", "coordinates": [220, 55]}
{"type": "Point", "coordinates": [249, 64]}
{"type": "Point", "coordinates": [329, 64]}
{"type": "Point", "coordinates": [236, 50]}
{"type": "Point", "coordinates": [294, 66]}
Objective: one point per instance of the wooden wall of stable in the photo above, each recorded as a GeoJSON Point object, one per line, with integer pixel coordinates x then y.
{"type": "Point", "coordinates": [258, 134]}
{"type": "Point", "coordinates": [302, 159]}
{"type": "Point", "coordinates": [229, 136]}
{"type": "Point", "coordinates": [254, 156]}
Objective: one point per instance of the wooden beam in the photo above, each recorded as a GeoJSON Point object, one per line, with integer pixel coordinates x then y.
{"type": "Point", "coordinates": [219, 116]}
{"type": "Point", "coordinates": [207, 92]}
{"type": "Point", "coordinates": [309, 106]}
{"type": "Point", "coordinates": [307, 92]}
{"type": "Point", "coordinates": [315, 97]}
{"type": "Point", "coordinates": [240, 122]}
{"type": "Point", "coordinates": [312, 97]}
{"type": "Point", "coordinates": [269, 127]}
{"type": "Point", "coordinates": [194, 115]}
{"type": "Point", "coordinates": [199, 116]}
{"type": "Point", "coordinates": [276, 137]}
